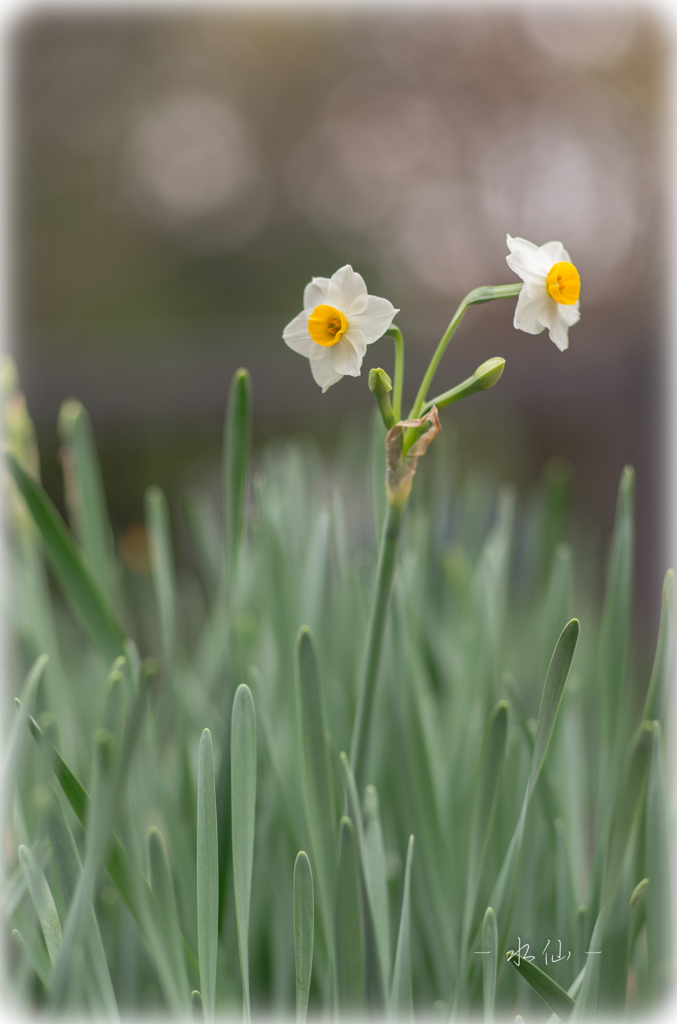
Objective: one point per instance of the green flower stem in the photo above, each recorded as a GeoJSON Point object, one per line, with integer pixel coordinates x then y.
{"type": "Point", "coordinates": [396, 334]}
{"type": "Point", "coordinates": [484, 294]}
{"type": "Point", "coordinates": [383, 588]}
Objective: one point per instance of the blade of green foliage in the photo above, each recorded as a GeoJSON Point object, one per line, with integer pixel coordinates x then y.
{"type": "Point", "coordinates": [163, 569]}
{"type": "Point", "coordinates": [375, 869]}
{"type": "Point", "coordinates": [355, 811]}
{"type": "Point", "coordinates": [91, 523]}
{"type": "Point", "coordinates": [491, 761]}
{"type": "Point", "coordinates": [558, 673]}
{"type": "Point", "coordinates": [400, 996]}
{"type": "Point", "coordinates": [304, 932]}
{"type": "Point", "coordinates": [489, 956]}
{"type": "Point", "coordinates": [114, 701]}
{"type": "Point", "coordinates": [39, 964]}
{"type": "Point", "coordinates": [564, 890]}
{"type": "Point", "coordinates": [207, 875]}
{"type": "Point", "coordinates": [163, 890]}
{"type": "Point", "coordinates": [503, 893]}
{"type": "Point", "coordinates": [586, 1004]}
{"type": "Point", "coordinates": [615, 629]}
{"type": "Point", "coordinates": [552, 994]}
{"type": "Point", "coordinates": [658, 898]}
{"type": "Point", "coordinates": [243, 782]}
{"type": "Point", "coordinates": [351, 981]}
{"type": "Point", "coordinates": [196, 1007]}
{"type": "Point", "coordinates": [661, 675]}
{"type": "Point", "coordinates": [203, 527]}
{"type": "Point", "coordinates": [43, 901]}
{"type": "Point", "coordinates": [17, 732]}
{"type": "Point", "coordinates": [109, 770]}
{"type": "Point", "coordinates": [628, 804]}
{"type": "Point", "coordinates": [74, 577]}
{"type": "Point", "coordinates": [69, 869]}
{"type": "Point", "coordinates": [318, 786]}
{"type": "Point", "coordinates": [236, 451]}
{"type": "Point", "coordinates": [558, 599]}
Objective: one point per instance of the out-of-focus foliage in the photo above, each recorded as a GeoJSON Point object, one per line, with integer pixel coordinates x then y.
{"type": "Point", "coordinates": [136, 869]}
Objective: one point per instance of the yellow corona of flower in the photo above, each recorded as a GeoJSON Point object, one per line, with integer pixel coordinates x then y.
{"type": "Point", "coordinates": [551, 289]}
{"type": "Point", "coordinates": [338, 321]}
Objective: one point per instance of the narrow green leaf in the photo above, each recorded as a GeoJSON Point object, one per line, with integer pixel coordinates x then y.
{"type": "Point", "coordinates": [638, 893]}
{"type": "Point", "coordinates": [615, 629]}
{"type": "Point", "coordinates": [236, 450]}
{"type": "Point", "coordinates": [39, 964]}
{"type": "Point", "coordinates": [582, 931]}
{"type": "Point", "coordinates": [43, 901]}
{"type": "Point", "coordinates": [586, 1004]}
{"type": "Point", "coordinates": [163, 890]}
{"type": "Point", "coordinates": [400, 998]}
{"type": "Point", "coordinates": [74, 577]}
{"type": "Point", "coordinates": [489, 956]}
{"type": "Point", "coordinates": [503, 893]}
{"type": "Point", "coordinates": [91, 523]}
{"type": "Point", "coordinates": [113, 717]}
{"type": "Point", "coordinates": [318, 786]}
{"type": "Point", "coordinates": [490, 770]}
{"type": "Point", "coordinates": [243, 788]}
{"type": "Point", "coordinates": [558, 673]}
{"type": "Point", "coordinates": [124, 874]}
{"type": "Point", "coordinates": [373, 935]}
{"type": "Point", "coordinates": [661, 675]}
{"type": "Point", "coordinates": [658, 899]}
{"type": "Point", "coordinates": [351, 982]}
{"type": "Point", "coordinates": [18, 731]}
{"type": "Point", "coordinates": [207, 875]}
{"type": "Point", "coordinates": [163, 569]}
{"type": "Point", "coordinates": [623, 822]}
{"type": "Point", "coordinates": [552, 994]}
{"type": "Point", "coordinates": [196, 1007]}
{"type": "Point", "coordinates": [375, 862]}
{"type": "Point", "coordinates": [67, 861]}
{"type": "Point", "coordinates": [304, 932]}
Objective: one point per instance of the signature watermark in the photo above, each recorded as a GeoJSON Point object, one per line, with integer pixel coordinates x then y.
{"type": "Point", "coordinates": [522, 952]}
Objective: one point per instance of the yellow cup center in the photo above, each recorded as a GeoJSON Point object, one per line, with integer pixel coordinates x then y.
{"type": "Point", "coordinates": [326, 325]}
{"type": "Point", "coordinates": [564, 283]}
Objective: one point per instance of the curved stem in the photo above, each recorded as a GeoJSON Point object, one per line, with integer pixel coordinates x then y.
{"type": "Point", "coordinates": [383, 588]}
{"type": "Point", "coordinates": [473, 298]}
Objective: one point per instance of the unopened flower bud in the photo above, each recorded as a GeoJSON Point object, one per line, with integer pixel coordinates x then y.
{"type": "Point", "coordinates": [379, 383]}
{"type": "Point", "coordinates": [488, 373]}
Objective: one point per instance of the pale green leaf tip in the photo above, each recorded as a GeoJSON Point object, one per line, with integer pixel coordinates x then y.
{"type": "Point", "coordinates": [68, 413]}
{"type": "Point", "coordinates": [638, 892]}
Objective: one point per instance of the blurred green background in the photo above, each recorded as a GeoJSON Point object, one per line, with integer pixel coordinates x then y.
{"type": "Point", "coordinates": [178, 177]}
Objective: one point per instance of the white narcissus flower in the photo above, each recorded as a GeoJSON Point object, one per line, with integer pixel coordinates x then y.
{"type": "Point", "coordinates": [338, 321]}
{"type": "Point", "coordinates": [552, 285]}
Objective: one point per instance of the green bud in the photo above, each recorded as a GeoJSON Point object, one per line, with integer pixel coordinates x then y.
{"type": "Point", "coordinates": [488, 373]}
{"type": "Point", "coordinates": [379, 383]}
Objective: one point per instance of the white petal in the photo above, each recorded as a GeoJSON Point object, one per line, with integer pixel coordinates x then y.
{"type": "Point", "coordinates": [554, 252]}
{"type": "Point", "coordinates": [571, 314]}
{"type": "Point", "coordinates": [375, 320]}
{"type": "Point", "coordinates": [297, 337]}
{"type": "Point", "coordinates": [559, 333]}
{"type": "Point", "coordinates": [528, 312]}
{"type": "Point", "coordinates": [323, 369]}
{"type": "Point", "coordinates": [347, 291]}
{"type": "Point", "coordinates": [526, 261]}
{"type": "Point", "coordinates": [357, 340]}
{"type": "Point", "coordinates": [347, 358]}
{"type": "Point", "coordinates": [315, 293]}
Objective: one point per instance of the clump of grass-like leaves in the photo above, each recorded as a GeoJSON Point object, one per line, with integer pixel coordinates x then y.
{"type": "Point", "coordinates": [183, 828]}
